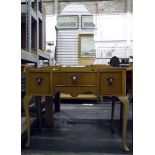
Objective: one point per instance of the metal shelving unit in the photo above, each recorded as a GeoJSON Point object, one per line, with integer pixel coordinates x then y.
{"type": "Point", "coordinates": [33, 37]}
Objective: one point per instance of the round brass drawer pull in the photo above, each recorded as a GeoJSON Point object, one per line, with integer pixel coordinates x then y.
{"type": "Point", "coordinates": [74, 78]}
{"type": "Point", "coordinates": [110, 80]}
{"type": "Point", "coordinates": [39, 80]}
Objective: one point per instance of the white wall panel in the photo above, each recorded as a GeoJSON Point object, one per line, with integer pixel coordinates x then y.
{"type": "Point", "coordinates": [113, 36]}
{"type": "Point", "coordinates": [67, 40]}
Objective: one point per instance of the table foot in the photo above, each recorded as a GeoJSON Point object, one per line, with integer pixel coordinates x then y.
{"type": "Point", "coordinates": [27, 145]}
{"type": "Point", "coordinates": [126, 149]}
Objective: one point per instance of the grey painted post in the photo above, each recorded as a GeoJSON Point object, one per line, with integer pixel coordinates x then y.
{"type": "Point", "coordinates": [29, 25]}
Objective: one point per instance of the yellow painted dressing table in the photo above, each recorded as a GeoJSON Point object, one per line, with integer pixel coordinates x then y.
{"type": "Point", "coordinates": [96, 79]}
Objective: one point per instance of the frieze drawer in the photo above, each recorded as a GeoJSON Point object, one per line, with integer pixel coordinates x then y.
{"type": "Point", "coordinates": [112, 83]}
{"type": "Point", "coordinates": [39, 83]}
{"type": "Point", "coordinates": [74, 79]}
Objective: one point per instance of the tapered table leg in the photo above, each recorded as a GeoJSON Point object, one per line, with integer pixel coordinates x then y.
{"type": "Point", "coordinates": [125, 102]}
{"type": "Point", "coordinates": [27, 115]}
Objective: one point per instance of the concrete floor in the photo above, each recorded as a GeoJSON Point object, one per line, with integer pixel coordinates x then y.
{"type": "Point", "coordinates": [81, 129]}
{"type": "Point", "coordinates": [70, 153]}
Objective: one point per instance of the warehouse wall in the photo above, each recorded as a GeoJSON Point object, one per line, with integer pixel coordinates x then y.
{"type": "Point", "coordinates": [104, 6]}
{"type": "Point", "coordinates": [115, 35]}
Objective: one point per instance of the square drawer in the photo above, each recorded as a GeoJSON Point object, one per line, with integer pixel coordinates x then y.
{"type": "Point", "coordinates": [111, 83]}
{"type": "Point", "coordinates": [38, 83]}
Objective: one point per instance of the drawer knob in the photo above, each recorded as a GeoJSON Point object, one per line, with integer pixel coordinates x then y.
{"type": "Point", "coordinates": [39, 80]}
{"type": "Point", "coordinates": [74, 78]}
{"type": "Point", "coordinates": [110, 81]}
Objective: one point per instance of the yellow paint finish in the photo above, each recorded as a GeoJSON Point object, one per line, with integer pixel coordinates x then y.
{"type": "Point", "coordinates": [37, 90]}
{"type": "Point", "coordinates": [115, 88]}
{"type": "Point", "coordinates": [124, 100]}
{"type": "Point", "coordinates": [90, 79]}
{"type": "Point", "coordinates": [75, 91]}
{"type": "Point", "coordinates": [78, 97]}
{"type": "Point", "coordinates": [65, 78]}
